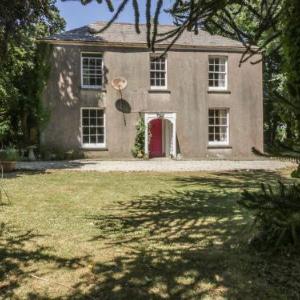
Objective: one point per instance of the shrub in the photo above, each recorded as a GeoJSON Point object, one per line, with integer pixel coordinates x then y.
{"type": "Point", "coordinates": [296, 173]}
{"type": "Point", "coordinates": [139, 145]}
{"type": "Point", "coordinates": [276, 214]}
{"type": "Point", "coordinates": [9, 154]}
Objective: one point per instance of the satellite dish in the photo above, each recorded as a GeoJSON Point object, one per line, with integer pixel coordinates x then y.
{"type": "Point", "coordinates": [119, 83]}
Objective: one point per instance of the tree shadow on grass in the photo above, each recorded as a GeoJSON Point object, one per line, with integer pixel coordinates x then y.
{"type": "Point", "coordinates": [232, 180]}
{"type": "Point", "coordinates": [189, 244]}
{"type": "Point", "coordinates": [186, 244]}
{"type": "Point", "coordinates": [18, 262]}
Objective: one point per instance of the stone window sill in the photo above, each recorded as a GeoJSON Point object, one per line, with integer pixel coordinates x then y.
{"type": "Point", "coordinates": [218, 92]}
{"type": "Point", "coordinates": [99, 90]}
{"type": "Point", "coordinates": [94, 149]}
{"type": "Point", "coordinates": [159, 91]}
{"type": "Point", "coordinates": [219, 147]}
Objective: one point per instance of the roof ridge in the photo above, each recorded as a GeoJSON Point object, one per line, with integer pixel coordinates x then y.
{"type": "Point", "coordinates": [124, 33]}
{"type": "Point", "coordinates": [128, 23]}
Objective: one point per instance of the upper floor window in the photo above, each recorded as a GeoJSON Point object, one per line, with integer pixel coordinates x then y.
{"type": "Point", "coordinates": [217, 73]}
{"type": "Point", "coordinates": [218, 126]}
{"type": "Point", "coordinates": [91, 70]}
{"type": "Point", "coordinates": [158, 72]}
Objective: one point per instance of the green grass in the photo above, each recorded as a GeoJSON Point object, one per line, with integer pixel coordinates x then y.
{"type": "Point", "coordinates": [75, 235]}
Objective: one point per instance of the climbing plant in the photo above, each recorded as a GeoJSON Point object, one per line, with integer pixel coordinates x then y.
{"type": "Point", "coordinates": [139, 145]}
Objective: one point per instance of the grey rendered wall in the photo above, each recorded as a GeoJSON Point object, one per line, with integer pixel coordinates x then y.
{"type": "Point", "coordinates": [188, 97]}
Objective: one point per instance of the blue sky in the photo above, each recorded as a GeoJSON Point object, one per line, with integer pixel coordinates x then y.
{"type": "Point", "coordinates": [77, 15]}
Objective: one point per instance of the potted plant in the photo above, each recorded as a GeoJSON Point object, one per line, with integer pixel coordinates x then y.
{"type": "Point", "coordinates": [8, 159]}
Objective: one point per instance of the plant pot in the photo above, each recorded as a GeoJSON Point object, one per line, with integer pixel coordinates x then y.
{"type": "Point", "coordinates": [8, 166]}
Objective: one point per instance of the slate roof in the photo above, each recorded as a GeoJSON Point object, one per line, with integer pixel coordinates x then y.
{"type": "Point", "coordinates": [125, 33]}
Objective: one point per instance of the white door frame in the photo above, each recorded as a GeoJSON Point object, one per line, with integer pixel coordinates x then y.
{"type": "Point", "coordinates": [148, 117]}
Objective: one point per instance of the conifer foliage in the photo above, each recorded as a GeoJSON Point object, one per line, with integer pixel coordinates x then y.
{"type": "Point", "coordinates": [276, 214]}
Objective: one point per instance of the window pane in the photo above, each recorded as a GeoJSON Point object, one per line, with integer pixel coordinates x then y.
{"type": "Point", "coordinates": [222, 113]}
{"type": "Point", "coordinates": [221, 83]}
{"type": "Point", "coordinates": [223, 138]}
{"type": "Point", "coordinates": [100, 130]}
{"type": "Point", "coordinates": [92, 81]}
{"type": "Point", "coordinates": [85, 81]}
{"type": "Point", "coordinates": [86, 139]}
{"type": "Point", "coordinates": [93, 113]}
{"type": "Point", "coordinates": [85, 122]}
{"type": "Point", "coordinates": [99, 113]}
{"type": "Point", "coordinates": [93, 139]}
{"type": "Point", "coordinates": [223, 121]}
{"type": "Point", "coordinates": [93, 122]}
{"type": "Point", "coordinates": [100, 139]}
{"type": "Point", "coordinates": [85, 131]}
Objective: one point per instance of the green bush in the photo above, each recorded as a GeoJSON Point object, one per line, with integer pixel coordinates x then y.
{"type": "Point", "coordinates": [296, 173]}
{"type": "Point", "coordinates": [9, 154]}
{"type": "Point", "coordinates": [276, 214]}
{"type": "Point", "coordinates": [139, 145]}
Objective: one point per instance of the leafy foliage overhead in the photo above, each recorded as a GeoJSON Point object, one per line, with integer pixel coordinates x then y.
{"type": "Point", "coordinates": [18, 16]}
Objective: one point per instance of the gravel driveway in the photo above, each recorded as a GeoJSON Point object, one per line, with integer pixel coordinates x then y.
{"type": "Point", "coordinates": [156, 165]}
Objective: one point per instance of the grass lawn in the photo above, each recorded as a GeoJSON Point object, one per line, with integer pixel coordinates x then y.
{"type": "Point", "coordinates": [76, 235]}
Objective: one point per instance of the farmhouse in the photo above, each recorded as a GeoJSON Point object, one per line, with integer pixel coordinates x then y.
{"type": "Point", "coordinates": [195, 101]}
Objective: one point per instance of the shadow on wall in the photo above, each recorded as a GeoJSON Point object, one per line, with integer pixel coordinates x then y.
{"type": "Point", "coordinates": [67, 62]}
{"type": "Point", "coordinates": [65, 97]}
{"type": "Point", "coordinates": [123, 106]}
{"type": "Point", "coordinates": [178, 150]}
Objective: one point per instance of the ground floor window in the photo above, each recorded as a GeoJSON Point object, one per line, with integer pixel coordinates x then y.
{"type": "Point", "coordinates": [218, 126]}
{"type": "Point", "coordinates": [92, 127]}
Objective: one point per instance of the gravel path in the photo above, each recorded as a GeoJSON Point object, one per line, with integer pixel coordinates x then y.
{"type": "Point", "coordinates": [156, 165]}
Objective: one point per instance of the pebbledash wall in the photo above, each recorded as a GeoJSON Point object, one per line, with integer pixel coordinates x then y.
{"type": "Point", "coordinates": [187, 95]}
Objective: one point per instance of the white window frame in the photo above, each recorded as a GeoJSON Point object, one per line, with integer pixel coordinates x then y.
{"type": "Point", "coordinates": [217, 88]}
{"type": "Point", "coordinates": [162, 87]}
{"type": "Point", "coordinates": [220, 143]}
{"type": "Point", "coordinates": [94, 145]}
{"type": "Point", "coordinates": [81, 69]}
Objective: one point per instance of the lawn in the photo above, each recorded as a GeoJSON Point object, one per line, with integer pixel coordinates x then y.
{"type": "Point", "coordinates": [76, 235]}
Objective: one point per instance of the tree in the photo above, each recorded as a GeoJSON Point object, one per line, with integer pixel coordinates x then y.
{"type": "Point", "coordinates": [23, 68]}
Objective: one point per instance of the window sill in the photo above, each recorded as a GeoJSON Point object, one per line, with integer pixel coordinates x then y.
{"type": "Point", "coordinates": [86, 148]}
{"type": "Point", "coordinates": [219, 147]}
{"type": "Point", "coordinates": [218, 92]}
{"type": "Point", "coordinates": [159, 91]}
{"type": "Point", "coordinates": [96, 89]}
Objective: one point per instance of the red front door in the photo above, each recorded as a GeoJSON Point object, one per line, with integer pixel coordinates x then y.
{"type": "Point", "coordinates": [155, 146]}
